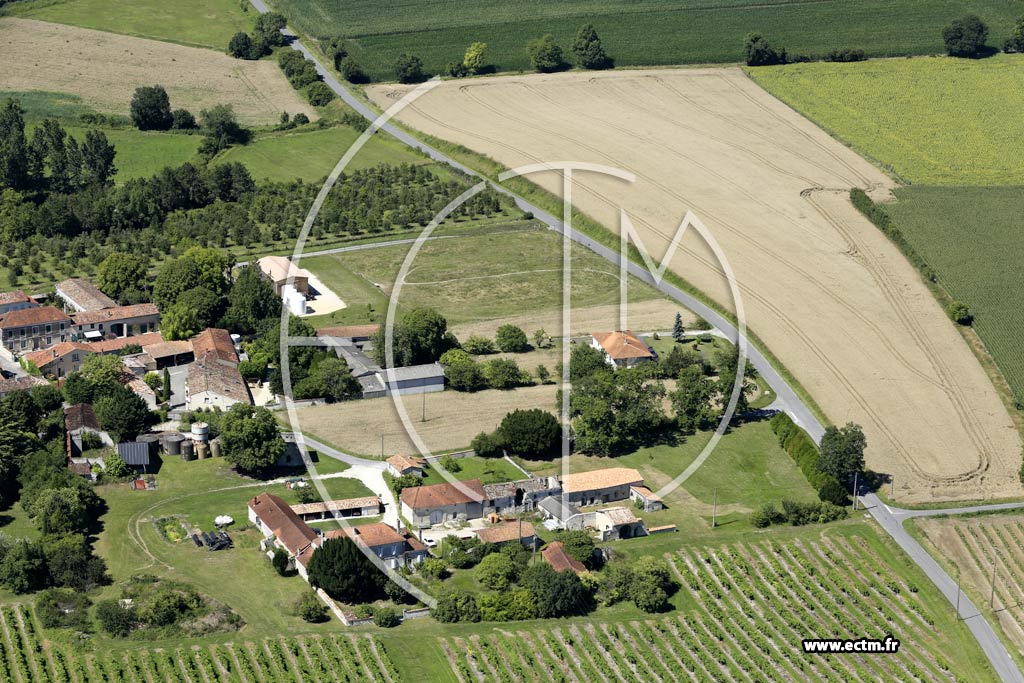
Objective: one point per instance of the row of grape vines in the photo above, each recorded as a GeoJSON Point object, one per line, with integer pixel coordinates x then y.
{"type": "Point", "coordinates": [27, 657]}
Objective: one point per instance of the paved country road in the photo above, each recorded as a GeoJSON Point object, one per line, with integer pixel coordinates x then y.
{"type": "Point", "coordinates": [890, 519]}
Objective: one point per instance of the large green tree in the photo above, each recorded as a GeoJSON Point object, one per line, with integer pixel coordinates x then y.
{"type": "Point", "coordinates": [545, 54]}
{"type": "Point", "coordinates": [512, 339]}
{"type": "Point", "coordinates": [588, 50]}
{"type": "Point", "coordinates": [250, 302]}
{"type": "Point", "coordinates": [341, 569]}
{"type": "Point", "coordinates": [842, 452]}
{"type": "Point", "coordinates": [615, 412]}
{"type": "Point", "coordinates": [532, 433]}
{"type": "Point", "coordinates": [123, 413]}
{"type": "Point", "coordinates": [120, 273]}
{"type": "Point", "coordinates": [965, 37]}
{"type": "Point", "coordinates": [151, 108]}
{"type": "Point", "coordinates": [556, 594]}
{"type": "Point", "coordinates": [14, 160]}
{"type": "Point", "coordinates": [221, 129]}
{"type": "Point", "coordinates": [691, 400]}
{"type": "Point", "coordinates": [250, 438]}
{"type": "Point", "coordinates": [421, 336]}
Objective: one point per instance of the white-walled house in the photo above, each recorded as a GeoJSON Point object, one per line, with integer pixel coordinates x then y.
{"type": "Point", "coordinates": [622, 348]}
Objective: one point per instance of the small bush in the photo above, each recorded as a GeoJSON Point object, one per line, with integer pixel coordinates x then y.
{"type": "Point", "coordinates": [387, 617]}
{"type": "Point", "coordinates": [312, 609]}
{"type": "Point", "coordinates": [959, 313]}
{"type": "Point", "coordinates": [845, 56]}
{"type": "Point", "coordinates": [352, 72]}
{"type": "Point", "coordinates": [182, 119]}
{"type": "Point", "coordinates": [320, 94]}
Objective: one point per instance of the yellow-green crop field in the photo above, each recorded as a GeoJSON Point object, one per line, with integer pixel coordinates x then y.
{"type": "Point", "coordinates": [931, 120]}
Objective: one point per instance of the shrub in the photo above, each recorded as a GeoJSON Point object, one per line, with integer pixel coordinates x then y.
{"type": "Point", "coordinates": [434, 568]}
{"type": "Point", "coordinates": [182, 119]}
{"type": "Point", "coordinates": [959, 313]}
{"type": "Point", "coordinates": [116, 466]}
{"type": "Point", "coordinates": [456, 605]}
{"type": "Point", "coordinates": [63, 608]}
{"type": "Point", "coordinates": [475, 59]}
{"type": "Point", "coordinates": [280, 561]}
{"type": "Point", "coordinates": [300, 119]}
{"type": "Point", "coordinates": [387, 617]}
{"type": "Point", "coordinates": [319, 94]}
{"type": "Point", "coordinates": [759, 52]}
{"type": "Point", "coordinates": [151, 108]}
{"type": "Point", "coordinates": [804, 452]}
{"type": "Point", "coordinates": [486, 445]}
{"type": "Point", "coordinates": [456, 70]}
{"type": "Point", "coordinates": [503, 373]}
{"type": "Point", "coordinates": [833, 492]}
{"type": "Point", "coordinates": [766, 515]}
{"type": "Point", "coordinates": [511, 339]}
{"type": "Point", "coordinates": [845, 56]}
{"type": "Point", "coordinates": [242, 46]}
{"type": "Point", "coordinates": [496, 571]}
{"type": "Point", "coordinates": [409, 69]}
{"type": "Point", "coordinates": [312, 609]}
{"type": "Point", "coordinates": [545, 54]}
{"type": "Point", "coordinates": [479, 346]}
{"type": "Point", "coordinates": [352, 72]}
{"type": "Point", "coordinates": [116, 620]}
{"type": "Point", "coordinates": [465, 375]}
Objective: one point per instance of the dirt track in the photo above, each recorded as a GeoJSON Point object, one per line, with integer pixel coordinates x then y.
{"type": "Point", "coordinates": [105, 68]}
{"type": "Point", "coordinates": [827, 292]}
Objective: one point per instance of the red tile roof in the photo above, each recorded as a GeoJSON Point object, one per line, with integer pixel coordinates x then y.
{"type": "Point", "coordinates": [597, 480]}
{"type": "Point", "coordinates": [622, 344]}
{"type": "Point", "coordinates": [111, 345]}
{"type": "Point", "coordinates": [277, 515]}
{"type": "Point", "coordinates": [373, 535]}
{"type": "Point", "coordinates": [80, 415]}
{"type": "Point", "coordinates": [114, 314]}
{"type": "Point", "coordinates": [15, 297]}
{"type": "Point", "coordinates": [84, 294]}
{"type": "Point", "coordinates": [43, 357]}
{"type": "Point", "coordinates": [555, 555]}
{"type": "Point", "coordinates": [505, 532]}
{"type": "Point", "coordinates": [33, 316]}
{"type": "Point", "coordinates": [348, 331]}
{"type": "Point", "coordinates": [217, 341]}
{"type": "Point", "coordinates": [404, 463]}
{"type": "Point", "coordinates": [440, 495]}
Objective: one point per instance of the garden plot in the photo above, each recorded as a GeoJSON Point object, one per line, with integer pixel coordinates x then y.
{"type": "Point", "coordinates": [822, 287]}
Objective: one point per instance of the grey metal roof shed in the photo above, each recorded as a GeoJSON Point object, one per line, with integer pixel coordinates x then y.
{"type": "Point", "coordinates": [134, 453]}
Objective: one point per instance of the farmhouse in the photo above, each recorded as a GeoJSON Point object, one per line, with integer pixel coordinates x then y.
{"type": "Point", "coordinates": [367, 506]}
{"type": "Point", "coordinates": [401, 465]}
{"type": "Point", "coordinates": [283, 529]}
{"type": "Point", "coordinates": [80, 296]}
{"type": "Point", "coordinates": [507, 532]}
{"type": "Point", "coordinates": [214, 383]}
{"type": "Point", "coordinates": [600, 486]}
{"type": "Point", "coordinates": [511, 497]}
{"type": "Point", "coordinates": [622, 348]}
{"type": "Point", "coordinates": [15, 301]}
{"type": "Point", "coordinates": [119, 321]}
{"type": "Point", "coordinates": [217, 341]}
{"type": "Point", "coordinates": [281, 272]}
{"type": "Point", "coordinates": [60, 359]}
{"type": "Point", "coordinates": [356, 334]}
{"type": "Point", "coordinates": [428, 505]}
{"type": "Point", "coordinates": [30, 329]}
{"type": "Point", "coordinates": [555, 555]}
{"type": "Point", "coordinates": [556, 512]}
{"type": "Point", "coordinates": [395, 548]}
{"type": "Point", "coordinates": [610, 524]}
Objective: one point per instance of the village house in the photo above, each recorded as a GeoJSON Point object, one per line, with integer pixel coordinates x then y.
{"type": "Point", "coordinates": [15, 301]}
{"type": "Point", "coordinates": [426, 506]}
{"type": "Point", "coordinates": [357, 335]}
{"type": "Point", "coordinates": [511, 497]}
{"type": "Point", "coordinates": [59, 360]}
{"type": "Point", "coordinates": [26, 383]}
{"type": "Point", "coordinates": [119, 321]}
{"type": "Point", "coordinates": [401, 465]}
{"type": "Point", "coordinates": [608, 524]}
{"type": "Point", "coordinates": [31, 329]}
{"type": "Point", "coordinates": [600, 486]}
{"type": "Point", "coordinates": [622, 348]}
{"type": "Point", "coordinates": [556, 512]}
{"type": "Point", "coordinates": [79, 420]}
{"type": "Point", "coordinates": [80, 296]}
{"type": "Point", "coordinates": [395, 548]}
{"type": "Point", "coordinates": [554, 554]}
{"type": "Point", "coordinates": [213, 379]}
{"type": "Point", "coordinates": [507, 532]}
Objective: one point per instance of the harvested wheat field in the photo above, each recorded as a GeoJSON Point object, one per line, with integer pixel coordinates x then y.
{"type": "Point", "coordinates": [453, 419]}
{"type": "Point", "coordinates": [105, 68]}
{"type": "Point", "coordinates": [825, 290]}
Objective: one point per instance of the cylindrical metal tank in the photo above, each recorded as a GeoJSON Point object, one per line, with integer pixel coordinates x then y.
{"type": "Point", "coordinates": [203, 450]}
{"type": "Point", "coordinates": [188, 450]}
{"type": "Point", "coordinates": [153, 440]}
{"type": "Point", "coordinates": [215, 448]}
{"type": "Point", "coordinates": [172, 443]}
{"type": "Point", "coordinates": [200, 431]}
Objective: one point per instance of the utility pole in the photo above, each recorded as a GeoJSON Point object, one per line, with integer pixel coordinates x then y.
{"type": "Point", "coordinates": [382, 445]}
{"type": "Point", "coordinates": [892, 488]}
{"type": "Point", "coordinates": [855, 475]}
{"type": "Point", "coordinates": [714, 510]}
{"type": "Point", "coordinates": [957, 592]}
{"type": "Point", "coordinates": [992, 595]}
{"type": "Point", "coordinates": [424, 418]}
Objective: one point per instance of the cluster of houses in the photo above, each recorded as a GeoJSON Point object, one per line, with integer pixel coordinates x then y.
{"type": "Point", "coordinates": [558, 500]}
{"type": "Point", "coordinates": [55, 341]}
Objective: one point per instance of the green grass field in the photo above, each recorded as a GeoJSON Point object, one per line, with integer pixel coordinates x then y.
{"type": "Point", "coordinates": [487, 470]}
{"type": "Point", "coordinates": [934, 121]}
{"type": "Point", "coordinates": [201, 23]}
{"type": "Point", "coordinates": [653, 32]}
{"type": "Point", "coordinates": [478, 277]}
{"type": "Point", "coordinates": [311, 154]}
{"type": "Point", "coordinates": [971, 237]}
